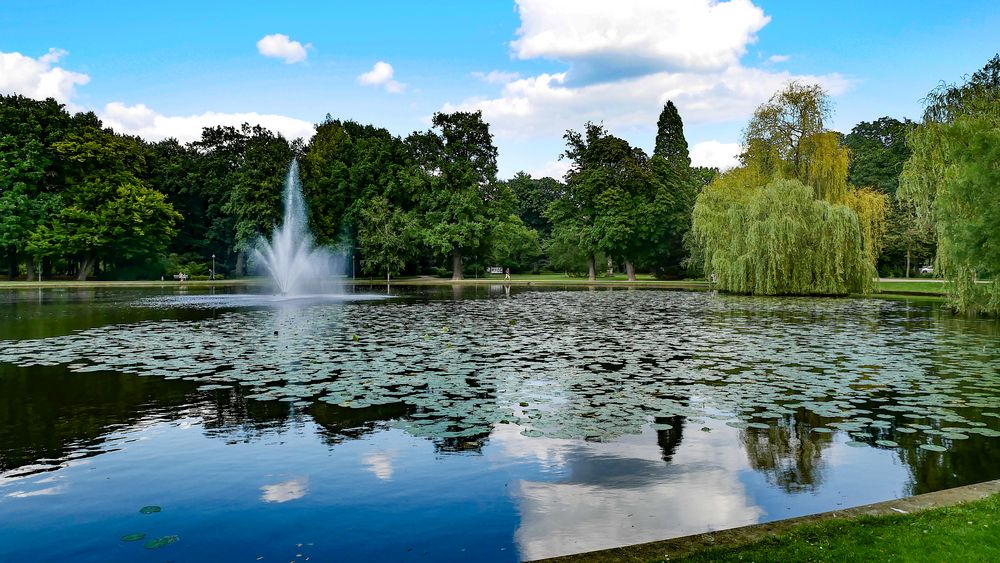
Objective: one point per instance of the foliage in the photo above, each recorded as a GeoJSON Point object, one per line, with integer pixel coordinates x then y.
{"type": "Point", "coordinates": [385, 237]}
{"type": "Point", "coordinates": [460, 203]}
{"type": "Point", "coordinates": [878, 152]}
{"type": "Point", "coordinates": [779, 239]}
{"type": "Point", "coordinates": [951, 180]}
{"type": "Point", "coordinates": [670, 142]}
{"type": "Point", "coordinates": [787, 221]}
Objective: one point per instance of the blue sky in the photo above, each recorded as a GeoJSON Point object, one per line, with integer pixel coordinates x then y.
{"type": "Point", "coordinates": [159, 69]}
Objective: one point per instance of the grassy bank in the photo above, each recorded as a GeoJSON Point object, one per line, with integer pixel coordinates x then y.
{"type": "Point", "coordinates": [965, 532]}
{"type": "Point", "coordinates": [930, 287]}
{"type": "Point", "coordinates": [895, 287]}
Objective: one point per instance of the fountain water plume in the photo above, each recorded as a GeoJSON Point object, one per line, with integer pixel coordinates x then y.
{"type": "Point", "coordinates": [295, 263]}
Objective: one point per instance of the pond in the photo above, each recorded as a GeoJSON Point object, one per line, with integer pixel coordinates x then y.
{"type": "Point", "coordinates": [468, 423]}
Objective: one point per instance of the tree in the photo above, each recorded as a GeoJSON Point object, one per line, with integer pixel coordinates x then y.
{"type": "Point", "coordinates": [29, 171]}
{"type": "Point", "coordinates": [878, 152]}
{"type": "Point", "coordinates": [107, 212]}
{"type": "Point", "coordinates": [951, 180]}
{"type": "Point", "coordinates": [670, 142]}
{"type": "Point", "coordinates": [459, 198]}
{"type": "Point", "coordinates": [534, 195]}
{"type": "Point", "coordinates": [385, 235]}
{"type": "Point", "coordinates": [608, 190]}
{"type": "Point", "coordinates": [821, 237]}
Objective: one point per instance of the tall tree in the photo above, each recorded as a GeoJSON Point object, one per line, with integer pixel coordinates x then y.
{"type": "Point", "coordinates": [821, 237]}
{"type": "Point", "coordinates": [951, 178]}
{"type": "Point", "coordinates": [460, 200]}
{"type": "Point", "coordinates": [610, 198]}
{"type": "Point", "coordinates": [670, 142]}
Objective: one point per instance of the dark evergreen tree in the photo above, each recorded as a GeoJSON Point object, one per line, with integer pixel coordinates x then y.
{"type": "Point", "coordinates": [670, 141]}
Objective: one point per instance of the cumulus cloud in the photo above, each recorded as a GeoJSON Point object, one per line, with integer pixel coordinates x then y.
{"type": "Point", "coordinates": [778, 58]}
{"type": "Point", "coordinates": [546, 105]}
{"type": "Point", "coordinates": [629, 37]}
{"type": "Point", "coordinates": [381, 75]}
{"type": "Point", "coordinates": [279, 46]}
{"type": "Point", "coordinates": [624, 60]}
{"type": "Point", "coordinates": [715, 154]}
{"type": "Point", "coordinates": [151, 125]}
{"type": "Point", "coordinates": [39, 78]}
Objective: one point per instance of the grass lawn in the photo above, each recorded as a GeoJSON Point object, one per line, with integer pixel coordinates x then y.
{"type": "Point", "coordinates": [921, 286]}
{"type": "Point", "coordinates": [965, 532]}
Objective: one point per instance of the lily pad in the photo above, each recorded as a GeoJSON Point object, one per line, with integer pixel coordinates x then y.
{"type": "Point", "coordinates": [134, 537]}
{"type": "Point", "coordinates": [150, 510]}
{"type": "Point", "coordinates": [933, 448]}
{"type": "Point", "coordinates": [161, 542]}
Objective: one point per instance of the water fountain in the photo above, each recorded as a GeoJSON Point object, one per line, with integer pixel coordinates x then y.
{"type": "Point", "coordinates": [296, 265]}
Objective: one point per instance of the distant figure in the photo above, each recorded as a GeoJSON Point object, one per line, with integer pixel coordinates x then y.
{"type": "Point", "coordinates": [506, 273]}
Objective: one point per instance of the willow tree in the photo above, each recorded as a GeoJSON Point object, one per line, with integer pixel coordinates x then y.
{"type": "Point", "coordinates": [952, 177]}
{"type": "Point", "coordinates": [787, 222]}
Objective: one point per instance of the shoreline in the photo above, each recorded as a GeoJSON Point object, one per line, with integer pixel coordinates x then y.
{"type": "Point", "coordinates": [891, 287]}
{"type": "Point", "coordinates": [684, 546]}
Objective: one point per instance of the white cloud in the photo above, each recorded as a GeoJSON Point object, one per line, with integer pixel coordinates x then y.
{"type": "Point", "coordinates": [151, 125]}
{"type": "Point", "coordinates": [778, 58]}
{"type": "Point", "coordinates": [624, 60]}
{"type": "Point", "coordinates": [279, 46]}
{"type": "Point", "coordinates": [546, 105]}
{"type": "Point", "coordinates": [715, 154]}
{"type": "Point", "coordinates": [39, 78]}
{"type": "Point", "coordinates": [381, 75]}
{"type": "Point", "coordinates": [497, 76]}
{"type": "Point", "coordinates": [637, 36]}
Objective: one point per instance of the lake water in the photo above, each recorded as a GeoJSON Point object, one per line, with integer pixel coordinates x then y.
{"type": "Point", "coordinates": [468, 423]}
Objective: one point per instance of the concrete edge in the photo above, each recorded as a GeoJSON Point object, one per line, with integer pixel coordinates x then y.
{"type": "Point", "coordinates": [686, 545]}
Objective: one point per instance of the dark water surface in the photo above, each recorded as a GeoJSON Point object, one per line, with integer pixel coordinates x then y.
{"type": "Point", "coordinates": [472, 423]}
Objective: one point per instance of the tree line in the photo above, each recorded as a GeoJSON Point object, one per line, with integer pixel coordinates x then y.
{"type": "Point", "coordinates": [807, 211]}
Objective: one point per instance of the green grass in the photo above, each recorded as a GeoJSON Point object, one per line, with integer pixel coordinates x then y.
{"type": "Point", "coordinates": [964, 532]}
{"type": "Point", "coordinates": [922, 286]}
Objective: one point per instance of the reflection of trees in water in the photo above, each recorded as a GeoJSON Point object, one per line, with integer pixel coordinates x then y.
{"type": "Point", "coordinates": [47, 412]}
{"type": "Point", "coordinates": [669, 440]}
{"type": "Point", "coordinates": [788, 453]}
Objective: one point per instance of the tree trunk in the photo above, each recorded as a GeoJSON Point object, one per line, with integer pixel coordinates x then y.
{"type": "Point", "coordinates": [85, 266]}
{"type": "Point", "coordinates": [12, 266]}
{"type": "Point", "coordinates": [591, 268]}
{"type": "Point", "coordinates": [29, 266]}
{"type": "Point", "coordinates": [907, 262]}
{"type": "Point", "coordinates": [456, 264]}
{"type": "Point", "coordinates": [630, 269]}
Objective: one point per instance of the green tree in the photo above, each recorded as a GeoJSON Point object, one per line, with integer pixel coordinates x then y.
{"type": "Point", "coordinates": [821, 237]}
{"type": "Point", "coordinates": [30, 172]}
{"type": "Point", "coordinates": [459, 199]}
{"type": "Point", "coordinates": [951, 179]}
{"type": "Point", "coordinates": [534, 196]}
{"type": "Point", "coordinates": [385, 237]}
{"type": "Point", "coordinates": [878, 152]}
{"type": "Point", "coordinates": [670, 142]}
{"type": "Point", "coordinates": [107, 212]}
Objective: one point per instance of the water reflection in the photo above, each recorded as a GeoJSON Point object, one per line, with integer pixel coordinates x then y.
{"type": "Point", "coordinates": [562, 432]}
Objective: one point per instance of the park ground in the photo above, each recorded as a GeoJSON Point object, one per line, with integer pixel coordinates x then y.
{"type": "Point", "coordinates": [911, 287]}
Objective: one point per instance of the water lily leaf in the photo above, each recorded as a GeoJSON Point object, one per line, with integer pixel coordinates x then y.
{"type": "Point", "coordinates": [150, 510]}
{"type": "Point", "coordinates": [161, 542]}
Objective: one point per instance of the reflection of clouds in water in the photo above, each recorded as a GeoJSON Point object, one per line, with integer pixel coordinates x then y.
{"type": "Point", "coordinates": [285, 491]}
{"type": "Point", "coordinates": [58, 489]}
{"type": "Point", "coordinates": [380, 464]}
{"type": "Point", "coordinates": [619, 493]}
